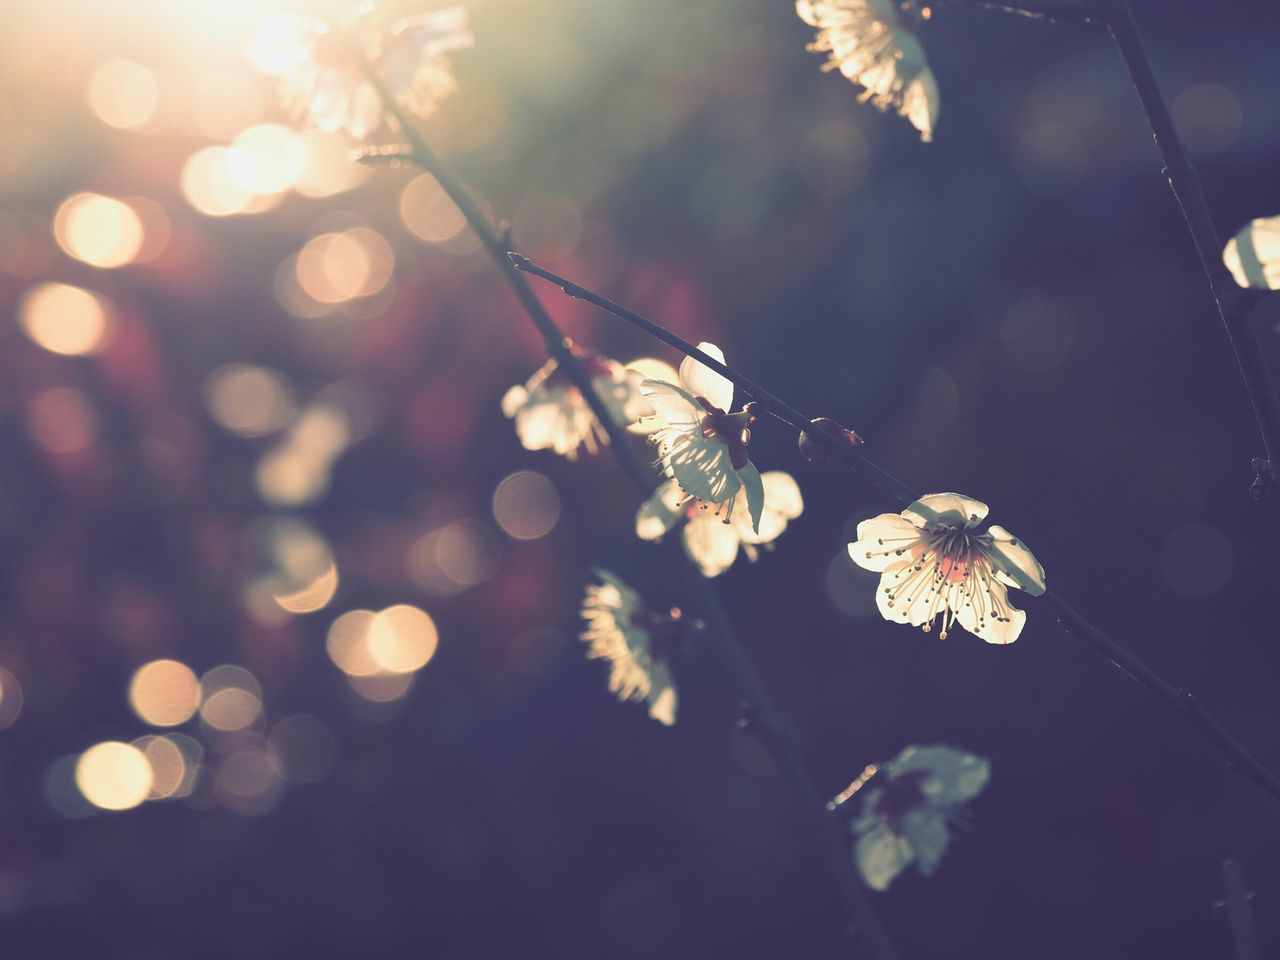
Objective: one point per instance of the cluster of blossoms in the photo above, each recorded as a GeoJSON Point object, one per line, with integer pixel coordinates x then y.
{"type": "Point", "coordinates": [322, 65]}
{"type": "Point", "coordinates": [909, 805]}
{"type": "Point", "coordinates": [551, 413]}
{"type": "Point", "coordinates": [872, 44]}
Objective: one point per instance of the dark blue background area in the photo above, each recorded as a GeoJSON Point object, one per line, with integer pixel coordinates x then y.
{"type": "Point", "coordinates": [1014, 312]}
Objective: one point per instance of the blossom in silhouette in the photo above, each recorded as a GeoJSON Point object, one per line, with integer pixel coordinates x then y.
{"type": "Point", "coordinates": [1253, 254]}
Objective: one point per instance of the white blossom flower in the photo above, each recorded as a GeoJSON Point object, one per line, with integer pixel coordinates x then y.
{"type": "Point", "coordinates": [934, 562]}
{"type": "Point", "coordinates": [710, 543]}
{"type": "Point", "coordinates": [619, 629]}
{"type": "Point", "coordinates": [1253, 254]}
{"type": "Point", "coordinates": [551, 412]}
{"type": "Point", "coordinates": [700, 444]}
{"type": "Point", "coordinates": [908, 807]}
{"type": "Point", "coordinates": [870, 42]}
{"type": "Point", "coordinates": [324, 79]}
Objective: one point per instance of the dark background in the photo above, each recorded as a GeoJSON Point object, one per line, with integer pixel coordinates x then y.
{"type": "Point", "coordinates": [1014, 312]}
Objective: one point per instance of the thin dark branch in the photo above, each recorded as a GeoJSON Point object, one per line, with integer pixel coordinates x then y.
{"type": "Point", "coordinates": [1179, 699]}
{"type": "Point", "coordinates": [1231, 302]}
{"type": "Point", "coordinates": [1053, 10]}
{"type": "Point", "coordinates": [774, 405]}
{"type": "Point", "coordinates": [1238, 902]}
{"type": "Point", "coordinates": [833, 842]}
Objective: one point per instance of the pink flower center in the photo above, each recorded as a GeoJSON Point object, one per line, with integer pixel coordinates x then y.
{"type": "Point", "coordinates": [731, 429]}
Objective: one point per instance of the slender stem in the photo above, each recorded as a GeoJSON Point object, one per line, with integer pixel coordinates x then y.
{"type": "Point", "coordinates": [1240, 911]}
{"type": "Point", "coordinates": [777, 407]}
{"type": "Point", "coordinates": [1181, 700]}
{"type": "Point", "coordinates": [1232, 304]}
{"type": "Point", "coordinates": [834, 843]}
{"type": "Point", "coordinates": [1054, 10]}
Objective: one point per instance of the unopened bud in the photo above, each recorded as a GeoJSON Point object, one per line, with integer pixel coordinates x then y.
{"type": "Point", "coordinates": [819, 450]}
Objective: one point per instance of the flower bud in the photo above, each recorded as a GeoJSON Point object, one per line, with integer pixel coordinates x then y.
{"type": "Point", "coordinates": [822, 451]}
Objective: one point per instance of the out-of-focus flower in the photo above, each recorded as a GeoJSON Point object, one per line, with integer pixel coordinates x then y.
{"type": "Point", "coordinates": [551, 413]}
{"type": "Point", "coordinates": [871, 43]}
{"type": "Point", "coordinates": [324, 80]}
{"type": "Point", "coordinates": [621, 630]}
{"type": "Point", "coordinates": [714, 545]}
{"type": "Point", "coordinates": [700, 445]}
{"type": "Point", "coordinates": [908, 807]}
{"type": "Point", "coordinates": [934, 562]}
{"type": "Point", "coordinates": [1253, 254]}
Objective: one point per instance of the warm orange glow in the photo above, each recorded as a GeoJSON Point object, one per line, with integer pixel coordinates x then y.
{"type": "Point", "coordinates": [114, 775]}
{"type": "Point", "coordinates": [231, 698]}
{"type": "Point", "coordinates": [62, 421]}
{"type": "Point", "coordinates": [267, 158]}
{"type": "Point", "coordinates": [336, 267]}
{"type": "Point", "coordinates": [209, 187]}
{"type": "Point", "coordinates": [402, 639]}
{"type": "Point", "coordinates": [64, 319]}
{"type": "Point", "coordinates": [101, 231]}
{"type": "Point", "coordinates": [313, 596]}
{"type": "Point", "coordinates": [123, 94]}
{"type": "Point", "coordinates": [526, 505]}
{"type": "Point", "coordinates": [174, 760]}
{"type": "Point", "coordinates": [329, 168]}
{"type": "Point", "coordinates": [250, 401]}
{"type": "Point", "coordinates": [347, 644]}
{"type": "Point", "coordinates": [164, 693]}
{"type": "Point", "coordinates": [382, 687]}
{"type": "Point", "coordinates": [427, 212]}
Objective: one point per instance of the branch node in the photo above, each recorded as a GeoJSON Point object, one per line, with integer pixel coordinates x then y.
{"type": "Point", "coordinates": [1264, 480]}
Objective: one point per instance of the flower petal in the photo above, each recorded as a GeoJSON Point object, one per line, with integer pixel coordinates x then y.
{"type": "Point", "coordinates": [658, 514]}
{"type": "Point", "coordinates": [982, 624]}
{"type": "Point", "coordinates": [946, 509]}
{"type": "Point", "coordinates": [1253, 254]}
{"type": "Point", "coordinates": [1013, 563]}
{"type": "Point", "coordinates": [671, 404]}
{"type": "Point", "coordinates": [881, 856]}
{"type": "Point", "coordinates": [955, 776]}
{"type": "Point", "coordinates": [880, 539]}
{"type": "Point", "coordinates": [753, 487]}
{"type": "Point", "coordinates": [513, 400]}
{"type": "Point", "coordinates": [926, 831]}
{"type": "Point", "coordinates": [782, 503]}
{"type": "Point", "coordinates": [711, 543]}
{"type": "Point", "coordinates": [662, 695]}
{"type": "Point", "coordinates": [905, 594]}
{"type": "Point", "coordinates": [921, 103]}
{"type": "Point", "coordinates": [701, 381]}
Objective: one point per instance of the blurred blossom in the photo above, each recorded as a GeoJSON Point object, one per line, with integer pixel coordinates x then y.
{"type": "Point", "coordinates": [101, 231]}
{"type": "Point", "coordinates": [164, 693]}
{"type": "Point", "coordinates": [123, 94]}
{"type": "Point", "coordinates": [1197, 560]}
{"type": "Point", "coordinates": [62, 420]}
{"type": "Point", "coordinates": [64, 319]}
{"type": "Point", "coordinates": [231, 698]}
{"type": "Point", "coordinates": [462, 554]}
{"type": "Point", "coordinates": [1253, 254]}
{"type": "Point", "coordinates": [303, 747]}
{"type": "Point", "coordinates": [427, 211]}
{"type": "Point", "coordinates": [323, 72]}
{"type": "Point", "coordinates": [267, 158]}
{"type": "Point", "coordinates": [10, 699]}
{"type": "Point", "coordinates": [1208, 118]}
{"type": "Point", "coordinates": [247, 400]}
{"type": "Point", "coordinates": [700, 444]}
{"type": "Point", "coordinates": [908, 806]}
{"type": "Point", "coordinates": [618, 630]}
{"type": "Point", "coordinates": [551, 413]}
{"type": "Point", "coordinates": [114, 775]}
{"type": "Point", "coordinates": [711, 542]}
{"type": "Point", "coordinates": [933, 563]}
{"type": "Point", "coordinates": [298, 575]}
{"type": "Point", "coordinates": [155, 228]}
{"type": "Point", "coordinates": [526, 505]}
{"type": "Point", "coordinates": [869, 43]}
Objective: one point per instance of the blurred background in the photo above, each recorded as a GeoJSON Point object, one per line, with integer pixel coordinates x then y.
{"type": "Point", "coordinates": [249, 417]}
